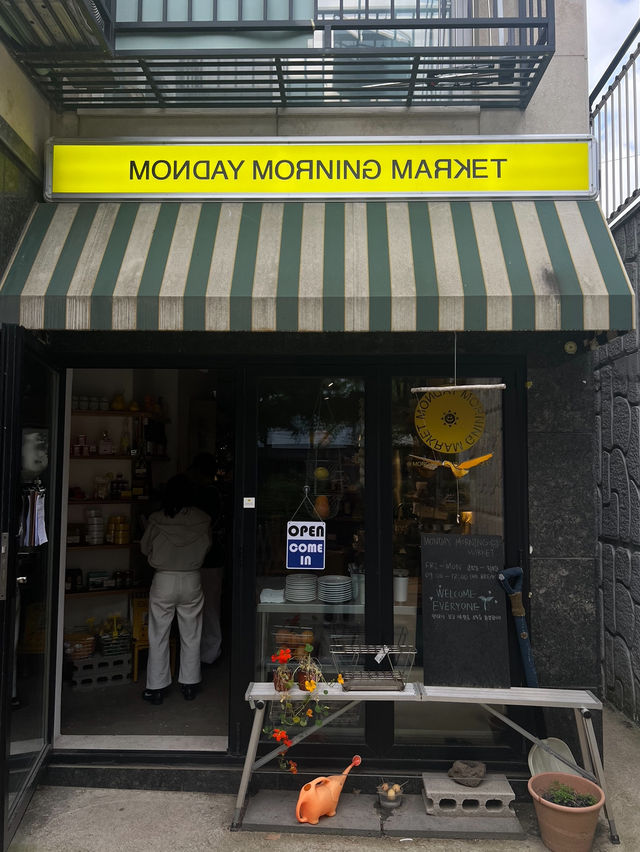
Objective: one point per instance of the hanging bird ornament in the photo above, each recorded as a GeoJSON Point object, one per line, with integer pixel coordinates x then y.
{"type": "Point", "coordinates": [459, 469]}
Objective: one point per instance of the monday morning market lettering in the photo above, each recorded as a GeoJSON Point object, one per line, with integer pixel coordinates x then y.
{"type": "Point", "coordinates": [325, 169]}
{"type": "Point", "coordinates": [451, 169]}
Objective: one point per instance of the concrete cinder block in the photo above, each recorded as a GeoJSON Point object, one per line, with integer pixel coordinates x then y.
{"type": "Point", "coordinates": [99, 670]}
{"type": "Point", "coordinates": [444, 797]}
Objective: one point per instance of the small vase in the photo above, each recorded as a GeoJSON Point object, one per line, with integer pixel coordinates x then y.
{"type": "Point", "coordinates": [281, 681]}
{"type": "Point", "coordinates": [566, 829]}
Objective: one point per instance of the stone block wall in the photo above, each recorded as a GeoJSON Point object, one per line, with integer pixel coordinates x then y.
{"type": "Point", "coordinates": [562, 518]}
{"type": "Point", "coordinates": [617, 399]}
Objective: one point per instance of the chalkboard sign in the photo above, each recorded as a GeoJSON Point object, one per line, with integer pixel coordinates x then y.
{"type": "Point", "coordinates": [464, 611]}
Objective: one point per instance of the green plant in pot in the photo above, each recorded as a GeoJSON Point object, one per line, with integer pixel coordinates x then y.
{"type": "Point", "coordinates": [567, 807]}
{"type": "Point", "coordinates": [308, 672]}
{"type": "Point", "coordinates": [301, 710]}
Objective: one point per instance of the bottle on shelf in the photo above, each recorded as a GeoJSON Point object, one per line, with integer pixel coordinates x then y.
{"type": "Point", "coordinates": [141, 479]}
{"type": "Point", "coordinates": [147, 436]}
{"type": "Point", "coordinates": [125, 441]}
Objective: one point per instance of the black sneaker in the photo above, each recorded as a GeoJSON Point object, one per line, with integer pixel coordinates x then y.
{"type": "Point", "coordinates": [189, 691]}
{"type": "Point", "coordinates": [153, 696]}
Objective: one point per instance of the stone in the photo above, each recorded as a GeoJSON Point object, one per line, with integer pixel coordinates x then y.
{"type": "Point", "coordinates": [623, 565]}
{"type": "Point", "coordinates": [633, 453]}
{"type": "Point", "coordinates": [621, 423]}
{"type": "Point", "coordinates": [624, 676]}
{"type": "Point", "coordinates": [469, 773]}
{"type": "Point", "coordinates": [625, 616]}
{"type": "Point", "coordinates": [620, 378]}
{"type": "Point", "coordinates": [634, 513]}
{"type": "Point", "coordinates": [635, 577]}
{"type": "Point", "coordinates": [606, 477]}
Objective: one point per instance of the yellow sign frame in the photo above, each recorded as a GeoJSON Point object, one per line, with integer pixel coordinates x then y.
{"type": "Point", "coordinates": [320, 169]}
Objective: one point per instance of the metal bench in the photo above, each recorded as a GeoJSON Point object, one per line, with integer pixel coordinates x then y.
{"type": "Point", "coordinates": [581, 701]}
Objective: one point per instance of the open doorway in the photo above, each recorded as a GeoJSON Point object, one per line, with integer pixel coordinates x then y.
{"type": "Point", "coordinates": [129, 432]}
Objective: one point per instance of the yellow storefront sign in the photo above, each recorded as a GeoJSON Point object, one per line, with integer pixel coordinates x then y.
{"type": "Point", "coordinates": [495, 167]}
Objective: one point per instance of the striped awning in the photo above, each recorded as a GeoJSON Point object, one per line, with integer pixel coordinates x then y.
{"type": "Point", "coordinates": [336, 266]}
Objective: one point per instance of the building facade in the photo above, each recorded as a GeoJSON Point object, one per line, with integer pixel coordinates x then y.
{"type": "Point", "coordinates": [304, 344]}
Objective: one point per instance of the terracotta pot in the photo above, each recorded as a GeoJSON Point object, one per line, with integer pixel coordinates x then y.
{"type": "Point", "coordinates": [280, 682]}
{"type": "Point", "coordinates": [566, 829]}
{"type": "Point", "coordinates": [302, 677]}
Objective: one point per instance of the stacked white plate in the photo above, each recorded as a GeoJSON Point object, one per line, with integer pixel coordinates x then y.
{"type": "Point", "coordinates": [334, 589]}
{"type": "Point", "coordinates": [301, 588]}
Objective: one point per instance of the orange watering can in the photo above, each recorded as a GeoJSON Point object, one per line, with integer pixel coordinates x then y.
{"type": "Point", "coordinates": [320, 796]}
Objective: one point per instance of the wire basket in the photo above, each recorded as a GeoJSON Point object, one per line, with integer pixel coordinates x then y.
{"type": "Point", "coordinates": [111, 645]}
{"type": "Point", "coordinates": [372, 667]}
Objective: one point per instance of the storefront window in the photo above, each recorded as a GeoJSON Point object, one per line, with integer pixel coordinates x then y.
{"type": "Point", "coordinates": [447, 480]}
{"type": "Point", "coordinates": [310, 587]}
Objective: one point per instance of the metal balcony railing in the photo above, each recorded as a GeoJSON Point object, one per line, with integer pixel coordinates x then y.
{"type": "Point", "coordinates": [615, 122]}
{"type": "Point", "coordinates": [58, 25]}
{"type": "Point", "coordinates": [254, 53]}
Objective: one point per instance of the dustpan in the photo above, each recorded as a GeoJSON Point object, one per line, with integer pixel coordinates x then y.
{"type": "Point", "coordinates": [541, 760]}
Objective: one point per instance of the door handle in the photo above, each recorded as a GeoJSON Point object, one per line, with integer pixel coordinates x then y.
{"type": "Point", "coordinates": [4, 559]}
{"type": "Point", "coordinates": [21, 580]}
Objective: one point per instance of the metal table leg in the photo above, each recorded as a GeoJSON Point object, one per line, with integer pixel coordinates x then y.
{"type": "Point", "coordinates": [584, 744]}
{"type": "Point", "coordinates": [252, 748]}
{"type": "Point", "coordinates": [594, 751]}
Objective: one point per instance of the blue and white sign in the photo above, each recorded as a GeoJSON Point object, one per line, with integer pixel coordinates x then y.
{"type": "Point", "coordinates": [306, 545]}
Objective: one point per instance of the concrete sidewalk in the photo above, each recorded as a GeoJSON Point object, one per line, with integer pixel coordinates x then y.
{"type": "Point", "coordinates": [69, 819]}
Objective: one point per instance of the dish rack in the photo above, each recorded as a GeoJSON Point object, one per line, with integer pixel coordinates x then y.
{"type": "Point", "coordinates": [372, 667]}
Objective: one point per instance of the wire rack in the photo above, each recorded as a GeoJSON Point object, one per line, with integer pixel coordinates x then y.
{"type": "Point", "coordinates": [372, 667]}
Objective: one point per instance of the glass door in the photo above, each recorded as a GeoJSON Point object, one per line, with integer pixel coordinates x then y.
{"type": "Point", "coordinates": [447, 481]}
{"type": "Point", "coordinates": [435, 482]}
{"type": "Point", "coordinates": [310, 526]}
{"type": "Point", "coordinates": [29, 395]}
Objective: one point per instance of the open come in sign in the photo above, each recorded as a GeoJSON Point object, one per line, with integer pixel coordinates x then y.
{"type": "Point", "coordinates": [306, 545]}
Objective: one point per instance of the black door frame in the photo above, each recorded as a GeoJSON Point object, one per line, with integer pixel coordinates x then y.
{"type": "Point", "coordinates": [16, 343]}
{"type": "Point", "coordinates": [246, 368]}
{"type": "Point", "coordinates": [377, 373]}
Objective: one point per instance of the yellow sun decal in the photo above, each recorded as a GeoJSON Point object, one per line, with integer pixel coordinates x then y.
{"type": "Point", "coordinates": [449, 421]}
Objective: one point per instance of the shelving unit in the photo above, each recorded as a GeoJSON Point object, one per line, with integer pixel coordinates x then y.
{"type": "Point", "coordinates": [88, 472]}
{"type": "Point", "coordinates": [97, 592]}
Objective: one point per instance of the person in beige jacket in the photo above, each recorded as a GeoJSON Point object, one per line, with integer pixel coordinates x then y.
{"type": "Point", "coordinates": [175, 542]}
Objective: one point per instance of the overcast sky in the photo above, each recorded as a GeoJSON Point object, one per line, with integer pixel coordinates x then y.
{"type": "Point", "coordinates": [609, 22]}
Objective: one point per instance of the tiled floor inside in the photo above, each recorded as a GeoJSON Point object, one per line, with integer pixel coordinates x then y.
{"type": "Point", "coordinates": [118, 709]}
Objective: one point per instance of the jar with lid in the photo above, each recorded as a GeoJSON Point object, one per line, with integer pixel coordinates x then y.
{"type": "Point", "coordinates": [105, 446]}
{"type": "Point", "coordinates": [101, 488]}
{"type": "Point", "coordinates": [117, 486]}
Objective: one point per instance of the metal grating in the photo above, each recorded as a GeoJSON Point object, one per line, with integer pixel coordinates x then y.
{"type": "Point", "coordinates": [369, 52]}
{"type": "Point", "coordinates": [229, 80]}
{"type": "Point", "coordinates": [57, 24]}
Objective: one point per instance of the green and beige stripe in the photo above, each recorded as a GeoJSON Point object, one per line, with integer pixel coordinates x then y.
{"type": "Point", "coordinates": [312, 266]}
